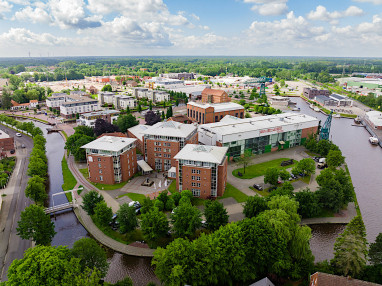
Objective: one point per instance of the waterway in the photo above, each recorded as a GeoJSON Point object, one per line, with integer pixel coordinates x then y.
{"type": "Point", "coordinates": [365, 165]}
{"type": "Point", "coordinates": [69, 229]}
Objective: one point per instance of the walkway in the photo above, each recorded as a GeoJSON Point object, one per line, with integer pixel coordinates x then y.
{"type": "Point", "coordinates": [88, 223]}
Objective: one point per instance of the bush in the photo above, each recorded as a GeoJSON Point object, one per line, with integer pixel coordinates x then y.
{"type": "Point", "coordinates": [90, 200]}
{"type": "Point", "coordinates": [102, 213]}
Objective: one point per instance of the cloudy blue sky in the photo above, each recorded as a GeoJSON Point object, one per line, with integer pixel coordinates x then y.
{"type": "Point", "coordinates": [192, 27]}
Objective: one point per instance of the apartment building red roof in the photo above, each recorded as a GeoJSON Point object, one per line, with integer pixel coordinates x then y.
{"type": "Point", "coordinates": [324, 279]}
{"type": "Point", "coordinates": [211, 91]}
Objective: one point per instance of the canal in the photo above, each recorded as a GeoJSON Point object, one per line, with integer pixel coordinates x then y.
{"type": "Point", "coordinates": [69, 229]}
{"type": "Point", "coordinates": [365, 165]}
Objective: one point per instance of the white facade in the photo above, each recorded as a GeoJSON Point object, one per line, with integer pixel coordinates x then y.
{"type": "Point", "coordinates": [56, 100]}
{"type": "Point", "coordinates": [89, 119]}
{"type": "Point", "coordinates": [120, 101]}
{"type": "Point", "coordinates": [158, 96]}
{"type": "Point", "coordinates": [73, 107]}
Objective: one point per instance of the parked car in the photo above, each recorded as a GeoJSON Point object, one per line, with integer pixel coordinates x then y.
{"type": "Point", "coordinates": [22, 145]}
{"type": "Point", "coordinates": [18, 134]}
{"type": "Point", "coordinates": [316, 159]}
{"type": "Point", "coordinates": [135, 204]}
{"type": "Point", "coordinates": [258, 187]}
{"type": "Point", "coordinates": [279, 182]}
{"type": "Point", "coordinates": [12, 151]}
{"type": "Point", "coordinates": [293, 176]}
{"type": "Point", "coordinates": [287, 162]}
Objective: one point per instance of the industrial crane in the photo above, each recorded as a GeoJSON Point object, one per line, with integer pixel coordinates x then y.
{"type": "Point", "coordinates": [262, 80]}
{"type": "Point", "coordinates": [325, 130]}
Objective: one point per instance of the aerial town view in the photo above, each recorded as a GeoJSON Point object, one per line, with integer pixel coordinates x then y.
{"type": "Point", "coordinates": [163, 142]}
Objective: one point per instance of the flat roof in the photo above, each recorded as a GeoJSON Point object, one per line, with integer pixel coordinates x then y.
{"type": "Point", "coordinates": [219, 107]}
{"type": "Point", "coordinates": [171, 128]}
{"type": "Point", "coordinates": [4, 135]}
{"type": "Point", "coordinates": [338, 97]}
{"type": "Point", "coordinates": [202, 153]}
{"type": "Point", "coordinates": [375, 117]}
{"type": "Point", "coordinates": [257, 123]}
{"type": "Point", "coordinates": [101, 112]}
{"type": "Point", "coordinates": [138, 130]}
{"type": "Point", "coordinates": [144, 166]}
{"type": "Point", "coordinates": [109, 143]}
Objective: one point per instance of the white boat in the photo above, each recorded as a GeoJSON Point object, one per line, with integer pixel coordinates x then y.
{"type": "Point", "coordinates": [357, 120]}
{"type": "Point", "coordinates": [316, 109]}
{"type": "Point", "coordinates": [374, 140]}
{"type": "Point", "coordinates": [296, 109]}
{"type": "Point", "coordinates": [311, 106]}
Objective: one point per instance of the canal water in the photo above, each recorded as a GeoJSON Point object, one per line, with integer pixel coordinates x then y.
{"type": "Point", "coordinates": [365, 165]}
{"type": "Point", "coordinates": [69, 229]}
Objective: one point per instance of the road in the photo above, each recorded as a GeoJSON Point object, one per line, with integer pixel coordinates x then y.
{"type": "Point", "coordinates": [12, 246]}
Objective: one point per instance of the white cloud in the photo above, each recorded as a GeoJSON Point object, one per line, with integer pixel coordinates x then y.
{"type": "Point", "coordinates": [34, 15]}
{"type": "Point", "coordinates": [5, 6]}
{"type": "Point", "coordinates": [376, 2]}
{"type": "Point", "coordinates": [269, 7]}
{"type": "Point", "coordinates": [322, 14]}
{"type": "Point", "coordinates": [20, 2]}
{"type": "Point", "coordinates": [138, 7]}
{"type": "Point", "coordinates": [22, 36]}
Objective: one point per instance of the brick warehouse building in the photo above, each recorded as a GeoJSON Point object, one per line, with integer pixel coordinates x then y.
{"type": "Point", "coordinates": [211, 112]}
{"type": "Point", "coordinates": [259, 134]}
{"type": "Point", "coordinates": [111, 159]}
{"type": "Point", "coordinates": [202, 170]}
{"type": "Point", "coordinates": [214, 96]}
{"type": "Point", "coordinates": [163, 140]}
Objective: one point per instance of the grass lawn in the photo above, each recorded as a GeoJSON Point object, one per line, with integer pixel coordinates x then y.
{"type": "Point", "coordinates": [65, 135]}
{"type": "Point", "coordinates": [134, 197]}
{"type": "Point", "coordinates": [232, 192]}
{"type": "Point", "coordinates": [172, 187]}
{"type": "Point", "coordinates": [310, 153]}
{"type": "Point", "coordinates": [262, 193]}
{"type": "Point", "coordinates": [258, 170]}
{"type": "Point", "coordinates": [69, 181]}
{"type": "Point", "coordinates": [104, 187]}
{"type": "Point", "coordinates": [306, 179]}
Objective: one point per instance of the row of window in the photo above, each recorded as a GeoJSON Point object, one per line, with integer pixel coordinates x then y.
{"type": "Point", "coordinates": [197, 178]}
{"type": "Point", "coordinates": [194, 171]}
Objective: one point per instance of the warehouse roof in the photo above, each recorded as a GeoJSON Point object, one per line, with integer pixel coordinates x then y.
{"type": "Point", "coordinates": [171, 128]}
{"type": "Point", "coordinates": [109, 143]}
{"type": "Point", "coordinates": [138, 130]}
{"type": "Point", "coordinates": [375, 117]}
{"type": "Point", "coordinates": [202, 153]}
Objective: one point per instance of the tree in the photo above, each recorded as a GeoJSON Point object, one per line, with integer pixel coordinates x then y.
{"type": "Point", "coordinates": [74, 144]}
{"type": "Point", "coordinates": [37, 167]}
{"type": "Point", "coordinates": [271, 176]}
{"type": "Point", "coordinates": [85, 130]}
{"type": "Point", "coordinates": [147, 205]}
{"type": "Point", "coordinates": [285, 190]}
{"type": "Point", "coordinates": [215, 214]}
{"type": "Point", "coordinates": [127, 218]}
{"type": "Point", "coordinates": [307, 203]}
{"type": "Point", "coordinates": [107, 87]}
{"type": "Point", "coordinates": [101, 126]}
{"type": "Point", "coordinates": [306, 166]}
{"type": "Point", "coordinates": [139, 108]}
{"type": "Point", "coordinates": [124, 282]}
{"type": "Point", "coordinates": [169, 112]}
{"type": "Point", "coordinates": [125, 122]}
{"type": "Point", "coordinates": [6, 99]}
{"type": "Point", "coordinates": [334, 159]}
{"type": "Point", "coordinates": [36, 225]}
{"type": "Point", "coordinates": [152, 117]}
{"type": "Point", "coordinates": [90, 200]}
{"type": "Point", "coordinates": [150, 105]}
{"type": "Point", "coordinates": [284, 175]}
{"type": "Point", "coordinates": [245, 159]}
{"type": "Point", "coordinates": [350, 249]}
{"type": "Point", "coordinates": [254, 205]}
{"type": "Point", "coordinates": [102, 213]}
{"type": "Point", "coordinates": [36, 189]}
{"type": "Point", "coordinates": [91, 255]}
{"type": "Point", "coordinates": [47, 265]}
{"type": "Point", "coordinates": [375, 251]}
{"type": "Point", "coordinates": [186, 219]}
{"type": "Point", "coordinates": [154, 224]}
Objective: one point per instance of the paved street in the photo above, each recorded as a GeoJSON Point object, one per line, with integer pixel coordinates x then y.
{"type": "Point", "coordinates": [12, 246]}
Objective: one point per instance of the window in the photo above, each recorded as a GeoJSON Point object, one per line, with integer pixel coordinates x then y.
{"type": "Point", "coordinates": [100, 171]}
{"type": "Point", "coordinates": [194, 171]}
{"type": "Point", "coordinates": [195, 184]}
{"type": "Point", "coordinates": [157, 149]}
{"type": "Point", "coordinates": [101, 178]}
{"type": "Point", "coordinates": [195, 192]}
{"type": "Point", "coordinates": [99, 165]}
{"type": "Point", "coordinates": [99, 159]}
{"type": "Point", "coordinates": [157, 143]}
{"type": "Point", "coordinates": [216, 118]}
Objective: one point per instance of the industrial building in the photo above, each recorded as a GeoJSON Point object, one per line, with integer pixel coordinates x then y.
{"type": "Point", "coordinates": [213, 112]}
{"type": "Point", "coordinates": [163, 140]}
{"type": "Point", "coordinates": [311, 93]}
{"type": "Point", "coordinates": [111, 159]}
{"type": "Point", "coordinates": [89, 119]}
{"type": "Point", "coordinates": [202, 169]}
{"type": "Point", "coordinates": [333, 100]}
{"type": "Point", "coordinates": [374, 119]}
{"type": "Point", "coordinates": [259, 134]}
{"type": "Point", "coordinates": [214, 96]}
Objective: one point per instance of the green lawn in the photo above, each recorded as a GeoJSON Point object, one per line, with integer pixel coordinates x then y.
{"type": "Point", "coordinates": [65, 135]}
{"type": "Point", "coordinates": [134, 197]}
{"type": "Point", "coordinates": [104, 187]}
{"type": "Point", "coordinates": [310, 153]}
{"type": "Point", "coordinates": [172, 187]}
{"type": "Point", "coordinates": [69, 180]}
{"type": "Point", "coordinates": [263, 193]}
{"type": "Point", "coordinates": [232, 192]}
{"type": "Point", "coordinates": [306, 179]}
{"type": "Point", "coordinates": [258, 170]}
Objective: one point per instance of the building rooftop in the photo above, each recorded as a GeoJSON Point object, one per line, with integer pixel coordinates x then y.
{"type": "Point", "coordinates": [375, 117]}
{"type": "Point", "coordinates": [219, 107]}
{"type": "Point", "coordinates": [138, 130]}
{"type": "Point", "coordinates": [257, 123]}
{"type": "Point", "coordinates": [101, 112]}
{"type": "Point", "coordinates": [3, 135]}
{"type": "Point", "coordinates": [109, 143]}
{"type": "Point", "coordinates": [338, 97]}
{"type": "Point", "coordinates": [171, 128]}
{"type": "Point", "coordinates": [202, 153]}
{"type": "Point", "coordinates": [324, 279]}
{"type": "Point", "coordinates": [211, 91]}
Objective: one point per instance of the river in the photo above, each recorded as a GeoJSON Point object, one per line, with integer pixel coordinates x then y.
{"type": "Point", "coordinates": [69, 229]}
{"type": "Point", "coordinates": [365, 165]}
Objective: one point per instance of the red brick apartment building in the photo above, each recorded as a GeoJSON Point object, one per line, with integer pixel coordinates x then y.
{"type": "Point", "coordinates": [136, 132]}
{"type": "Point", "coordinates": [214, 96]}
{"type": "Point", "coordinates": [163, 140]}
{"type": "Point", "coordinates": [202, 169]}
{"type": "Point", "coordinates": [7, 143]}
{"type": "Point", "coordinates": [111, 159]}
{"type": "Point", "coordinates": [210, 112]}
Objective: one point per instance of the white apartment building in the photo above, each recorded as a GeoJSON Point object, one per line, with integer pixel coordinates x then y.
{"type": "Point", "coordinates": [89, 119]}
{"type": "Point", "coordinates": [120, 101]}
{"type": "Point", "coordinates": [56, 100]}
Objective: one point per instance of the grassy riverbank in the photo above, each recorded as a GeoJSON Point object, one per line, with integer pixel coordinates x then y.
{"type": "Point", "coordinates": [69, 180]}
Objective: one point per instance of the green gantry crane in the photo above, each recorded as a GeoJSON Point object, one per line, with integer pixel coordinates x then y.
{"type": "Point", "coordinates": [325, 130]}
{"type": "Point", "coordinates": [262, 80]}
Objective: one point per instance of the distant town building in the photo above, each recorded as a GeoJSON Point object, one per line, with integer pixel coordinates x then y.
{"type": "Point", "coordinates": [209, 112]}
{"type": "Point", "coordinates": [333, 100]}
{"type": "Point", "coordinates": [311, 93]}
{"type": "Point", "coordinates": [324, 279]}
{"type": "Point", "coordinates": [183, 76]}
{"type": "Point", "coordinates": [259, 134]}
{"type": "Point", "coordinates": [7, 143]}
{"type": "Point", "coordinates": [202, 169]}
{"type": "Point", "coordinates": [89, 118]}
{"type": "Point", "coordinates": [153, 95]}
{"type": "Point", "coordinates": [214, 96]}
{"type": "Point", "coordinates": [374, 119]}
{"type": "Point", "coordinates": [78, 93]}
{"type": "Point", "coordinates": [111, 159]}
{"type": "Point", "coordinates": [16, 106]}
{"type": "Point", "coordinates": [120, 101]}
{"type": "Point", "coordinates": [164, 140]}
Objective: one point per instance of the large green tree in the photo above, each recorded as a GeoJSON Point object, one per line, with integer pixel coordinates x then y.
{"type": "Point", "coordinates": [375, 251]}
{"type": "Point", "coordinates": [91, 255]}
{"type": "Point", "coordinates": [186, 219]}
{"type": "Point", "coordinates": [126, 121]}
{"type": "Point", "coordinates": [335, 159]}
{"type": "Point", "coordinates": [36, 225]}
{"type": "Point", "coordinates": [85, 130]}
{"type": "Point", "coordinates": [37, 167]}
{"type": "Point", "coordinates": [90, 200]}
{"type": "Point", "coordinates": [127, 218]}
{"type": "Point", "coordinates": [103, 213]}
{"type": "Point", "coordinates": [271, 176]}
{"type": "Point", "coordinates": [154, 224]}
{"type": "Point", "coordinates": [215, 214]}
{"type": "Point", "coordinates": [36, 189]}
{"type": "Point", "coordinates": [254, 205]}
{"type": "Point", "coordinates": [306, 166]}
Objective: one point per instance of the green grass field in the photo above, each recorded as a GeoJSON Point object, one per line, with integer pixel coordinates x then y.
{"type": "Point", "coordinates": [232, 192]}
{"type": "Point", "coordinates": [262, 193]}
{"type": "Point", "coordinates": [258, 170]}
{"type": "Point", "coordinates": [69, 180]}
{"type": "Point", "coordinates": [134, 197]}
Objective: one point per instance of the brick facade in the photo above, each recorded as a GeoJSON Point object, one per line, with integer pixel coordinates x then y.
{"type": "Point", "coordinates": [7, 144]}
{"type": "Point", "coordinates": [208, 115]}
{"type": "Point", "coordinates": [139, 142]}
{"type": "Point", "coordinates": [214, 96]}
{"type": "Point", "coordinates": [308, 131]}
